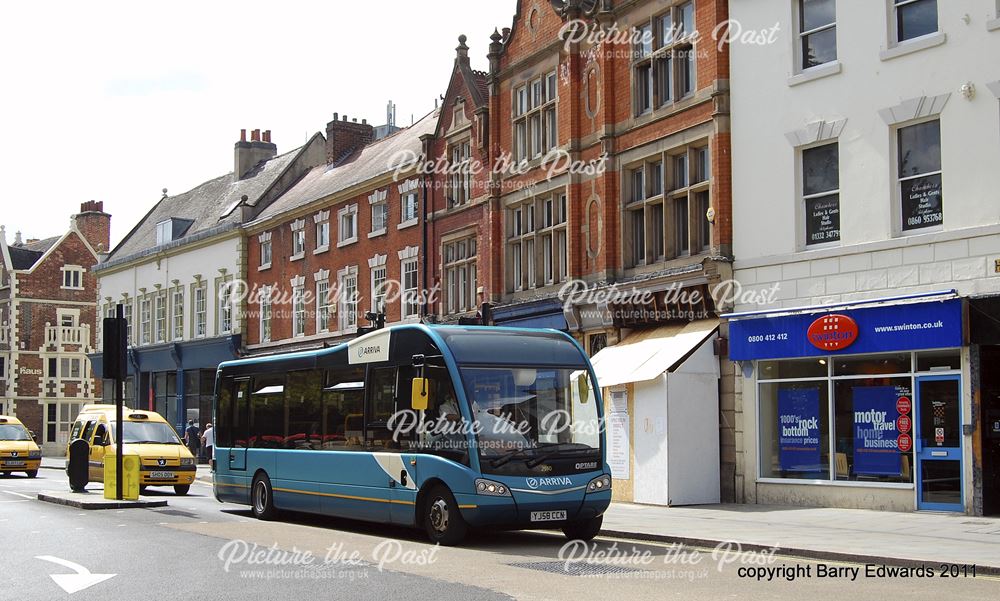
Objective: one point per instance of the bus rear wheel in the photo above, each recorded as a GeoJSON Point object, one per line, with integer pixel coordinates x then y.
{"type": "Point", "coordinates": [584, 529]}
{"type": "Point", "coordinates": [442, 519]}
{"type": "Point", "coordinates": [262, 498]}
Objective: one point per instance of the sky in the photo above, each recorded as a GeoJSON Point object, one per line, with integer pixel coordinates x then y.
{"type": "Point", "coordinates": [115, 101]}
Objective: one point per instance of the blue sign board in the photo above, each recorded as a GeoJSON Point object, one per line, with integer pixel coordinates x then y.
{"type": "Point", "coordinates": [875, 450]}
{"type": "Point", "coordinates": [904, 327]}
{"type": "Point", "coordinates": [798, 430]}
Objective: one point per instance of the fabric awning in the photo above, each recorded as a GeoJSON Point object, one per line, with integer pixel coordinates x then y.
{"type": "Point", "coordinates": [645, 354]}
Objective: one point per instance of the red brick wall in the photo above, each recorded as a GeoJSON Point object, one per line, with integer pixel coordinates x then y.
{"type": "Point", "coordinates": [357, 254]}
{"type": "Point", "coordinates": [44, 282]}
{"type": "Point", "coordinates": [608, 70]}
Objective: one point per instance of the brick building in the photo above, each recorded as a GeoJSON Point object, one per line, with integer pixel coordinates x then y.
{"type": "Point", "coordinates": [623, 190]}
{"type": "Point", "coordinates": [460, 216]}
{"type": "Point", "coordinates": [319, 254]}
{"type": "Point", "coordinates": [47, 325]}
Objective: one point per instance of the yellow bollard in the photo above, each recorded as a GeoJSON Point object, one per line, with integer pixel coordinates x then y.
{"type": "Point", "coordinates": [130, 472]}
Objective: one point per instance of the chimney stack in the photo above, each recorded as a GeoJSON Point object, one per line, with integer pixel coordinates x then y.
{"type": "Point", "coordinates": [94, 225]}
{"type": "Point", "coordinates": [343, 137]}
{"type": "Point", "coordinates": [250, 154]}
{"type": "Point", "coordinates": [17, 239]}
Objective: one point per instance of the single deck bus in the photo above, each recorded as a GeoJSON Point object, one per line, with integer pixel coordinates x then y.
{"type": "Point", "coordinates": [437, 427]}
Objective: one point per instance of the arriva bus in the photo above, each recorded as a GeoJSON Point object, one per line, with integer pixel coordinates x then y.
{"type": "Point", "coordinates": [437, 427]}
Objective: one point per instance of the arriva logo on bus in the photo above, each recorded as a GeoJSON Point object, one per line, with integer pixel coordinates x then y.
{"type": "Point", "coordinates": [534, 483]}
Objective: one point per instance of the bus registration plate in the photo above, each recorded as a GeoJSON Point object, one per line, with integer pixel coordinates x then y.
{"type": "Point", "coordinates": [548, 516]}
{"type": "Point", "coordinates": [161, 475]}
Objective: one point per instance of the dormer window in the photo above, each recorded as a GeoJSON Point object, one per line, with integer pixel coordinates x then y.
{"type": "Point", "coordinates": [171, 229]}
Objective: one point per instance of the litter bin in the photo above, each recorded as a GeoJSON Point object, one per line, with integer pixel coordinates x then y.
{"type": "Point", "coordinates": [78, 465]}
{"type": "Point", "coordinates": [130, 475]}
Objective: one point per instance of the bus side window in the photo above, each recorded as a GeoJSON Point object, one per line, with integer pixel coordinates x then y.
{"type": "Point", "coordinates": [224, 414]}
{"type": "Point", "coordinates": [267, 411]}
{"type": "Point", "coordinates": [343, 409]}
{"type": "Point", "coordinates": [302, 397]}
{"type": "Point", "coordinates": [381, 403]}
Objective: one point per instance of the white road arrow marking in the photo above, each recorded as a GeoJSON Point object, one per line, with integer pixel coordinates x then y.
{"type": "Point", "coordinates": [72, 583]}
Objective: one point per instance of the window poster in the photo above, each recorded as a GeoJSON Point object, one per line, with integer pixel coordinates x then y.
{"type": "Point", "coordinates": [798, 425]}
{"type": "Point", "coordinates": [875, 435]}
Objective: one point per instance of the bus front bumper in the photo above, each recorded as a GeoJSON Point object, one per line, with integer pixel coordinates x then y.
{"type": "Point", "coordinates": [531, 512]}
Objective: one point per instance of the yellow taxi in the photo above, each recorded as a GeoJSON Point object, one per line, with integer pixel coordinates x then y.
{"type": "Point", "coordinates": [164, 460]}
{"type": "Point", "coordinates": [18, 451]}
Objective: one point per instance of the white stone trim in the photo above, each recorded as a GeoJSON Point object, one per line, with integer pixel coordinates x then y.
{"type": "Point", "coordinates": [410, 252]}
{"type": "Point", "coordinates": [264, 237]}
{"type": "Point", "coordinates": [298, 224]}
{"type": "Point", "coordinates": [377, 261]}
{"type": "Point", "coordinates": [322, 274]}
{"type": "Point", "coordinates": [813, 73]}
{"type": "Point", "coordinates": [298, 281]}
{"type": "Point", "coordinates": [817, 131]}
{"type": "Point", "coordinates": [408, 186]}
{"type": "Point", "coordinates": [377, 196]}
{"type": "Point", "coordinates": [915, 45]}
{"type": "Point", "coordinates": [321, 217]}
{"type": "Point", "coordinates": [914, 108]}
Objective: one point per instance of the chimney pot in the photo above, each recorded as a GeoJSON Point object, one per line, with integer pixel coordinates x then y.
{"type": "Point", "coordinates": [243, 135]}
{"type": "Point", "coordinates": [345, 117]}
{"type": "Point", "coordinates": [336, 117]}
{"type": "Point", "coordinates": [355, 120]}
{"type": "Point", "coordinates": [364, 122]}
{"type": "Point", "coordinates": [255, 135]}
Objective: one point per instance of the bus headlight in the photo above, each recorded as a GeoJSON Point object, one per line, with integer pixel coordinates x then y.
{"type": "Point", "coordinates": [491, 488]}
{"type": "Point", "coordinates": [600, 484]}
{"type": "Point", "coordinates": [187, 461]}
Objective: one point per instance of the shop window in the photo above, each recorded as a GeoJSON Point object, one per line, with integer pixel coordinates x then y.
{"type": "Point", "coordinates": [939, 361]}
{"type": "Point", "coordinates": [865, 430]}
{"type": "Point", "coordinates": [867, 365]}
{"type": "Point", "coordinates": [790, 370]}
{"type": "Point", "coordinates": [795, 430]}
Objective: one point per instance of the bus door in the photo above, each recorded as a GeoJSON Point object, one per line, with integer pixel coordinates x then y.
{"type": "Point", "coordinates": [241, 426]}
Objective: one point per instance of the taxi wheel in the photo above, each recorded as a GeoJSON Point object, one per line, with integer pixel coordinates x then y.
{"type": "Point", "coordinates": [4, 474]}
{"type": "Point", "coordinates": [182, 489]}
{"type": "Point", "coordinates": [262, 498]}
{"type": "Point", "coordinates": [142, 489]}
{"type": "Point", "coordinates": [32, 473]}
{"type": "Point", "coordinates": [442, 519]}
{"type": "Point", "coordinates": [584, 529]}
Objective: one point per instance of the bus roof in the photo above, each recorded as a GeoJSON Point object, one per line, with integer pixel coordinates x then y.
{"type": "Point", "coordinates": [475, 345]}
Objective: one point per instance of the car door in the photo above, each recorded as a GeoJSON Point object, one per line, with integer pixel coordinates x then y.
{"type": "Point", "coordinates": [98, 448]}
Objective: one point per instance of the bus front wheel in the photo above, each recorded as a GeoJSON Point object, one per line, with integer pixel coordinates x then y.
{"type": "Point", "coordinates": [583, 529]}
{"type": "Point", "coordinates": [442, 519]}
{"type": "Point", "coordinates": [262, 498]}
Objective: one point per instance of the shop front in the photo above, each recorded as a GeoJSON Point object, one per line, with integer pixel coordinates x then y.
{"type": "Point", "coordinates": [864, 405]}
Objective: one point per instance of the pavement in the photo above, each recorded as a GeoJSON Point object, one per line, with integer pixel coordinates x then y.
{"type": "Point", "coordinates": [854, 535]}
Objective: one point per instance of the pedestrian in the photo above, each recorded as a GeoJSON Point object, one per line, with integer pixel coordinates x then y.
{"type": "Point", "coordinates": [191, 437]}
{"type": "Point", "coordinates": [208, 441]}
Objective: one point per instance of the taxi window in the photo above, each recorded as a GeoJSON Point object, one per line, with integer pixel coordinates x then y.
{"type": "Point", "coordinates": [89, 430]}
{"type": "Point", "coordinates": [76, 431]}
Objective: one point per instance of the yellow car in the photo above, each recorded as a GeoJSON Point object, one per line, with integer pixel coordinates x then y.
{"type": "Point", "coordinates": [164, 460]}
{"type": "Point", "coordinates": [18, 451]}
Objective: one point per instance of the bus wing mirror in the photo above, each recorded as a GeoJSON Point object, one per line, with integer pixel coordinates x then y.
{"type": "Point", "coordinates": [583, 382]}
{"type": "Point", "coordinates": [421, 393]}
